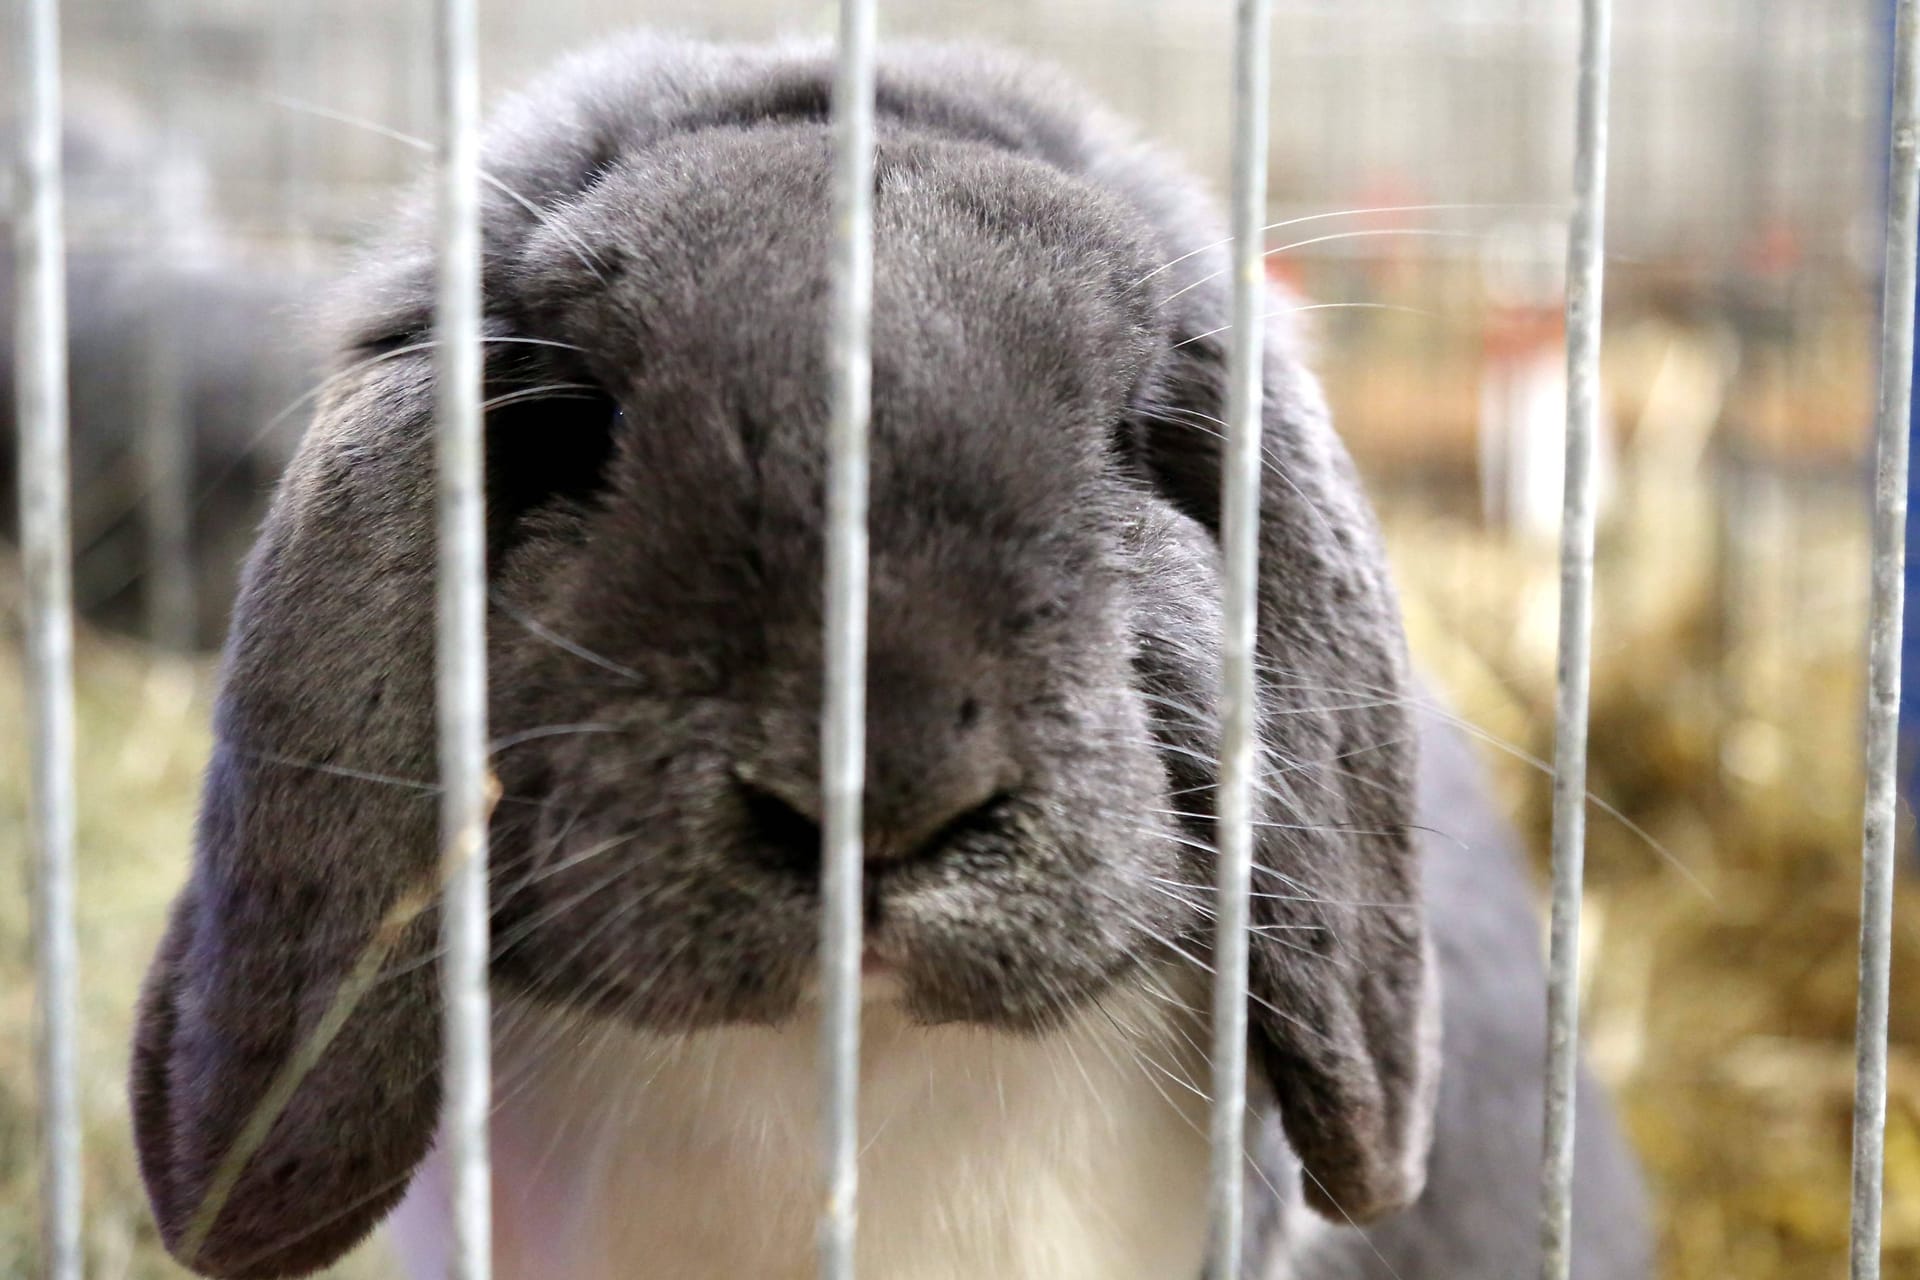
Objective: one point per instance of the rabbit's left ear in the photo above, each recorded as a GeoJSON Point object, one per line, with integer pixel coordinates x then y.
{"type": "Point", "coordinates": [1344, 1016]}
{"type": "Point", "coordinates": [286, 1074]}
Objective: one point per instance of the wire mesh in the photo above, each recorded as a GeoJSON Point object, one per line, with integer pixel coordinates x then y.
{"type": "Point", "coordinates": [1240, 536]}
{"type": "Point", "coordinates": [1883, 658]}
{"type": "Point", "coordinates": [1676, 173]}
{"type": "Point", "coordinates": [46, 552]}
{"type": "Point", "coordinates": [843, 722]}
{"type": "Point", "coordinates": [1585, 274]}
{"type": "Point", "coordinates": [462, 652]}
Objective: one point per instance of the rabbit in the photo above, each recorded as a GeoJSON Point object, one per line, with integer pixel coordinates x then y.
{"type": "Point", "coordinates": [1049, 365]}
{"type": "Point", "coordinates": [241, 358]}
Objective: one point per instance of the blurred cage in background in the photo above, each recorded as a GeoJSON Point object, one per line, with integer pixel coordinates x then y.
{"type": "Point", "coordinates": [1426, 147]}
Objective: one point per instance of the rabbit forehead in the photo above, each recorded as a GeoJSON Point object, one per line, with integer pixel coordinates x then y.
{"type": "Point", "coordinates": [707, 257]}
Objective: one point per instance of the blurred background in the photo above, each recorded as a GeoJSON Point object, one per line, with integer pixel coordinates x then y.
{"type": "Point", "coordinates": [224, 155]}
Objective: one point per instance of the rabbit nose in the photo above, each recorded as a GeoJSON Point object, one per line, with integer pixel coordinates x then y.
{"type": "Point", "coordinates": [937, 764]}
{"type": "Point", "coordinates": [915, 821]}
{"type": "Point", "coordinates": [914, 802]}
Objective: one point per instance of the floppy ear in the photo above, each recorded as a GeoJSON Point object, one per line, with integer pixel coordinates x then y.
{"type": "Point", "coordinates": [1344, 1014]}
{"type": "Point", "coordinates": [285, 1077]}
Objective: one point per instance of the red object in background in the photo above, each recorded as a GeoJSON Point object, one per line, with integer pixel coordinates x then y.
{"type": "Point", "coordinates": [1392, 261]}
{"type": "Point", "coordinates": [1773, 251]}
{"type": "Point", "coordinates": [1519, 332]}
{"type": "Point", "coordinates": [1521, 396]}
{"type": "Point", "coordinates": [1286, 273]}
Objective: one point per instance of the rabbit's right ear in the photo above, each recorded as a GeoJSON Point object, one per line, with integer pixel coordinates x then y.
{"type": "Point", "coordinates": [1344, 1010]}
{"type": "Point", "coordinates": [285, 1075]}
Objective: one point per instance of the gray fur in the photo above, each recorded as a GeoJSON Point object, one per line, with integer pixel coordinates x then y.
{"type": "Point", "coordinates": [1043, 638]}
{"type": "Point", "coordinates": [1479, 1216]}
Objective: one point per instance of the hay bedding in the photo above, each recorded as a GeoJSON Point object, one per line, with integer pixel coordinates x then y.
{"type": "Point", "coordinates": [1720, 998]}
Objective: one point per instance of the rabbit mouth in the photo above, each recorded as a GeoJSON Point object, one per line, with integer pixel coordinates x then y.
{"type": "Point", "coordinates": [690, 911]}
{"type": "Point", "coordinates": [1003, 940]}
{"type": "Point", "coordinates": [883, 979]}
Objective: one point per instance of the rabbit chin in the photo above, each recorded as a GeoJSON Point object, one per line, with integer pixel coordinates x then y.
{"type": "Point", "coordinates": [624, 1155]}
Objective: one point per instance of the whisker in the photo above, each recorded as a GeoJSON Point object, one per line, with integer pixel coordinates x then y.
{"type": "Point", "coordinates": [1348, 213]}
{"type": "Point", "coordinates": [106, 523]}
{"type": "Point", "coordinates": [541, 392]}
{"type": "Point", "coordinates": [1308, 1173]}
{"type": "Point", "coordinates": [539, 629]}
{"type": "Point", "coordinates": [513, 740]}
{"type": "Point", "coordinates": [1435, 232]}
{"type": "Point", "coordinates": [1317, 306]}
{"type": "Point", "coordinates": [544, 217]}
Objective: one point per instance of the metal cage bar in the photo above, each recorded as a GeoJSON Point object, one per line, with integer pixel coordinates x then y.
{"type": "Point", "coordinates": [1586, 243]}
{"type": "Point", "coordinates": [46, 549]}
{"type": "Point", "coordinates": [1240, 535]}
{"type": "Point", "coordinates": [844, 710]}
{"type": "Point", "coordinates": [1883, 659]}
{"type": "Point", "coordinates": [169, 584]}
{"type": "Point", "coordinates": [462, 650]}
{"type": "Point", "coordinates": [461, 676]}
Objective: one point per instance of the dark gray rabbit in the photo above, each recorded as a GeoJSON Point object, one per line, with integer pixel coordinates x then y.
{"type": "Point", "coordinates": [231, 335]}
{"type": "Point", "coordinates": [1049, 306]}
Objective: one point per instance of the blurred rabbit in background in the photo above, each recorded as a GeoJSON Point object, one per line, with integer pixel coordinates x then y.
{"type": "Point", "coordinates": [187, 325]}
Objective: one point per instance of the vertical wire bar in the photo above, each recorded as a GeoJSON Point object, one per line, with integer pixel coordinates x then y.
{"type": "Point", "coordinates": [1585, 274]}
{"type": "Point", "coordinates": [45, 539]}
{"type": "Point", "coordinates": [166, 427]}
{"type": "Point", "coordinates": [1883, 660]}
{"type": "Point", "coordinates": [843, 720]}
{"type": "Point", "coordinates": [462, 656]}
{"type": "Point", "coordinates": [1240, 532]}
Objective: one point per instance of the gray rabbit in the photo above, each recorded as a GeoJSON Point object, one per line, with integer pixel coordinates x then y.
{"type": "Point", "coordinates": [1048, 380]}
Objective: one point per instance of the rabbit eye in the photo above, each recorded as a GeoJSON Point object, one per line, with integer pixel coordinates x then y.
{"type": "Point", "coordinates": [548, 448]}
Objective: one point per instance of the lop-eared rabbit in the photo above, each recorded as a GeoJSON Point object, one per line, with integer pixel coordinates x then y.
{"type": "Point", "coordinates": [1049, 351]}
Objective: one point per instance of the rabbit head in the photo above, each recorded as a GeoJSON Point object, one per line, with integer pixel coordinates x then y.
{"type": "Point", "coordinates": [1042, 663]}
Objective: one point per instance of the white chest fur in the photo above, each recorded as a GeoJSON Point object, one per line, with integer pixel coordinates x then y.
{"type": "Point", "coordinates": [620, 1156]}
